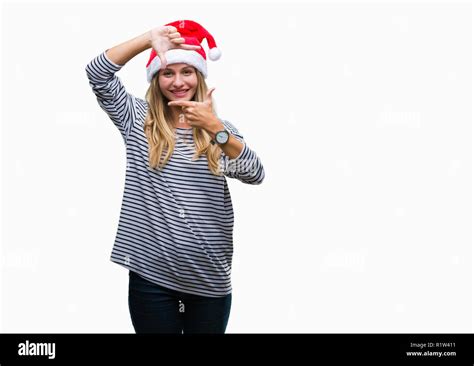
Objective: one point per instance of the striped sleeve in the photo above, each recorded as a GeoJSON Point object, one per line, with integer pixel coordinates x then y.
{"type": "Point", "coordinates": [246, 167]}
{"type": "Point", "coordinates": [120, 106]}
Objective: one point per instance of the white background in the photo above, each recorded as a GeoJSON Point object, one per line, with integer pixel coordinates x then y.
{"type": "Point", "coordinates": [360, 112]}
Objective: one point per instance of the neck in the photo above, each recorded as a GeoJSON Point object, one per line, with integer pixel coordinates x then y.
{"type": "Point", "coordinates": [178, 118]}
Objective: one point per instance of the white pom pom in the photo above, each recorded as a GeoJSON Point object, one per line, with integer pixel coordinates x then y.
{"type": "Point", "coordinates": [214, 54]}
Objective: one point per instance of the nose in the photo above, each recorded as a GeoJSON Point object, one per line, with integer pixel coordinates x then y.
{"type": "Point", "coordinates": [178, 82]}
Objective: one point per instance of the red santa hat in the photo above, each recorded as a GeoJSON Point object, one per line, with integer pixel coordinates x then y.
{"type": "Point", "coordinates": [193, 34]}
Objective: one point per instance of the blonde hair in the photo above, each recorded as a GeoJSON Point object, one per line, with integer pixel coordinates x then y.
{"type": "Point", "coordinates": [159, 129]}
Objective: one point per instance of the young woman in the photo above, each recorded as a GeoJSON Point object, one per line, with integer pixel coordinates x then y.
{"type": "Point", "coordinates": [176, 221]}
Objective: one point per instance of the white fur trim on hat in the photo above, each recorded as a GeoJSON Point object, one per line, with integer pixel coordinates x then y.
{"type": "Point", "coordinates": [176, 56]}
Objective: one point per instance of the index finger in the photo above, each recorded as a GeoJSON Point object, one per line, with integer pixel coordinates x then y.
{"type": "Point", "coordinates": [180, 43]}
{"type": "Point", "coordinates": [190, 47]}
{"type": "Point", "coordinates": [171, 29]}
{"type": "Point", "coordinates": [183, 103]}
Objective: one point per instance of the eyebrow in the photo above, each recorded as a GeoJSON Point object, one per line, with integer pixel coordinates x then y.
{"type": "Point", "coordinates": [184, 68]}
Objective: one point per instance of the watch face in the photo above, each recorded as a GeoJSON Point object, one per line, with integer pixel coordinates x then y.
{"type": "Point", "coordinates": [222, 137]}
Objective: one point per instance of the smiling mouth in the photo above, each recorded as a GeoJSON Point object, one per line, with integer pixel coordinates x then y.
{"type": "Point", "coordinates": [180, 92]}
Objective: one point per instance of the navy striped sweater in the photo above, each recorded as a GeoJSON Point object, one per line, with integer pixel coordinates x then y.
{"type": "Point", "coordinates": [176, 225]}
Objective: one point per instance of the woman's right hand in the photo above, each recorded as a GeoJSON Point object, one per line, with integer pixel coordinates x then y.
{"type": "Point", "coordinates": [164, 38]}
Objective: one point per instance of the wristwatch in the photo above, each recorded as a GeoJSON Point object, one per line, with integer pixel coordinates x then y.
{"type": "Point", "coordinates": [221, 137]}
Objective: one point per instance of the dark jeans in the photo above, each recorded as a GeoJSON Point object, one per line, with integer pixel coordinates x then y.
{"type": "Point", "coordinates": [156, 309]}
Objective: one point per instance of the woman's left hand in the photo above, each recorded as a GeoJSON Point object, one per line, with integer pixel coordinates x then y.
{"type": "Point", "coordinates": [198, 114]}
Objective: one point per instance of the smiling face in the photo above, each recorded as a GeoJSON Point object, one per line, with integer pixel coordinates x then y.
{"type": "Point", "coordinates": [178, 81]}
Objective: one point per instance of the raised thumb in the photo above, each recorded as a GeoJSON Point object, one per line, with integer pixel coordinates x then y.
{"type": "Point", "coordinates": [209, 94]}
{"type": "Point", "coordinates": [162, 57]}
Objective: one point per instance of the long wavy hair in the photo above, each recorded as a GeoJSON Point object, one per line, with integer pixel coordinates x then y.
{"type": "Point", "coordinates": [160, 133]}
